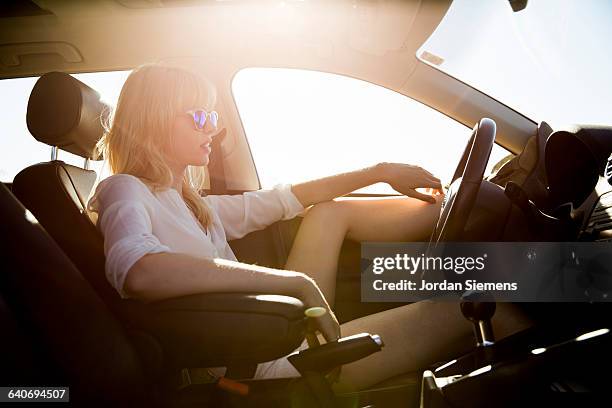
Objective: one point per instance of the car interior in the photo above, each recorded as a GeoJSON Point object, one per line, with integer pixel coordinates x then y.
{"type": "Point", "coordinates": [63, 324]}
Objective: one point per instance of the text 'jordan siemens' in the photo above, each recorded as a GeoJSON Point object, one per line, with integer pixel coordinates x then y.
{"type": "Point", "coordinates": [470, 284]}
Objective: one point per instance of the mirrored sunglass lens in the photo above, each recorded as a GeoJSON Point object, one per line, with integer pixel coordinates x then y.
{"type": "Point", "coordinates": [214, 117]}
{"type": "Point", "coordinates": [195, 116]}
{"type": "Point", "coordinates": [200, 119]}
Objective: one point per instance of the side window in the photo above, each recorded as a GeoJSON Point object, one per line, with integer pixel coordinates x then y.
{"type": "Point", "coordinates": [18, 149]}
{"type": "Point", "coordinates": [303, 125]}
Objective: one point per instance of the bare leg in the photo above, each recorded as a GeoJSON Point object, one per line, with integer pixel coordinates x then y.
{"type": "Point", "coordinates": [317, 244]}
{"type": "Point", "coordinates": [316, 247]}
{"type": "Point", "coordinates": [418, 335]}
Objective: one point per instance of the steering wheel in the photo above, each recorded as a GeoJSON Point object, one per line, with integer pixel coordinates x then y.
{"type": "Point", "coordinates": [461, 195]}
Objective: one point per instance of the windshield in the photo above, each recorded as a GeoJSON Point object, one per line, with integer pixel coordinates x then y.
{"type": "Point", "coordinates": [550, 61]}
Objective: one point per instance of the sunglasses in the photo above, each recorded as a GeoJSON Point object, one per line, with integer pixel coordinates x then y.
{"type": "Point", "coordinates": [199, 117]}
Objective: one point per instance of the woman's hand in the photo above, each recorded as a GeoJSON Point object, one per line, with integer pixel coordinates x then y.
{"type": "Point", "coordinates": [405, 179]}
{"type": "Point", "coordinates": [312, 296]}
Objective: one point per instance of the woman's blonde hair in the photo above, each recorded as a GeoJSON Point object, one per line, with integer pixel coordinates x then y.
{"type": "Point", "coordinates": [139, 130]}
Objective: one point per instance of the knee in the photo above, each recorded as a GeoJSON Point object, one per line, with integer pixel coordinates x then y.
{"type": "Point", "coordinates": [326, 212]}
{"type": "Point", "coordinates": [324, 208]}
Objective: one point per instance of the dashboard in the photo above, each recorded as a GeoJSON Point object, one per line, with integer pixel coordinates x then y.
{"type": "Point", "coordinates": [598, 224]}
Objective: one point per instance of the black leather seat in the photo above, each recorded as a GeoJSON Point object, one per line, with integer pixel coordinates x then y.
{"type": "Point", "coordinates": [78, 343]}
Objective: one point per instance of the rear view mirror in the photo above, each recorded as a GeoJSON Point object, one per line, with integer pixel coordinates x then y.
{"type": "Point", "coordinates": [518, 5]}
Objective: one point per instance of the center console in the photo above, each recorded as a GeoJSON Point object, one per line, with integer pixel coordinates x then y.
{"type": "Point", "coordinates": [544, 365]}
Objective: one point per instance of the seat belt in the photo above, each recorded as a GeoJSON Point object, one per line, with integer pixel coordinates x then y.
{"type": "Point", "coordinates": [216, 170]}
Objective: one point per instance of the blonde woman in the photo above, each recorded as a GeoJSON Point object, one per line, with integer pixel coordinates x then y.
{"type": "Point", "coordinates": [163, 240]}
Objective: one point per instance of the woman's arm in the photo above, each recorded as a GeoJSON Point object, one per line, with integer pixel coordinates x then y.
{"type": "Point", "coordinates": [165, 275]}
{"type": "Point", "coordinates": [328, 188]}
{"type": "Point", "coordinates": [169, 274]}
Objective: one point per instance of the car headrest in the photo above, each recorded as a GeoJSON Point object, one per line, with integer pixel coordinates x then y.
{"type": "Point", "coordinates": [64, 112]}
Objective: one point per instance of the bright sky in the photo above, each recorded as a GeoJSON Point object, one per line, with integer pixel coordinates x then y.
{"type": "Point", "coordinates": [303, 124]}
{"type": "Point", "coordinates": [551, 61]}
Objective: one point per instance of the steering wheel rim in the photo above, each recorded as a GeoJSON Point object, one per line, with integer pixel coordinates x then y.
{"type": "Point", "coordinates": [461, 195]}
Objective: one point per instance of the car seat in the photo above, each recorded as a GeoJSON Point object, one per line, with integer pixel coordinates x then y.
{"type": "Point", "coordinates": [84, 346]}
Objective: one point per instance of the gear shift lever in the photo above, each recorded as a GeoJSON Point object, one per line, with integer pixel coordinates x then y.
{"type": "Point", "coordinates": [480, 314]}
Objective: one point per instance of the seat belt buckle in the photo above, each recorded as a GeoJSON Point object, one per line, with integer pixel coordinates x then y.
{"type": "Point", "coordinates": [233, 386]}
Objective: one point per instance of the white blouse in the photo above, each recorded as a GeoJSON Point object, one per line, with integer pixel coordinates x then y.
{"type": "Point", "coordinates": [136, 221]}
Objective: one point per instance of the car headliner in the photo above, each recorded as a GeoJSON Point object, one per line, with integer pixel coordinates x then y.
{"type": "Point", "coordinates": [375, 41]}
